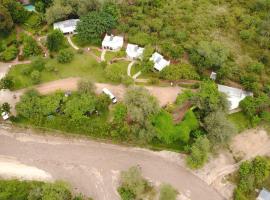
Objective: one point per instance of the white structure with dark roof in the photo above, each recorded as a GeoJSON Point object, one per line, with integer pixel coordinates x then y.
{"type": "Point", "coordinates": [113, 43]}
{"type": "Point", "coordinates": [68, 26]}
{"type": "Point", "coordinates": [234, 95]}
{"type": "Point", "coordinates": [264, 195]}
{"type": "Point", "coordinates": [134, 51]}
{"type": "Point", "coordinates": [159, 62]}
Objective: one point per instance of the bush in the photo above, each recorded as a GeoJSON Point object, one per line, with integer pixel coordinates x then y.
{"type": "Point", "coordinates": [30, 47]}
{"type": "Point", "coordinates": [65, 56]}
{"type": "Point", "coordinates": [198, 153]}
{"type": "Point", "coordinates": [38, 64]}
{"type": "Point", "coordinates": [167, 192]}
{"type": "Point", "coordinates": [55, 40]}
{"type": "Point", "coordinates": [35, 76]}
{"type": "Point", "coordinates": [9, 54]}
{"type": "Point", "coordinates": [6, 83]}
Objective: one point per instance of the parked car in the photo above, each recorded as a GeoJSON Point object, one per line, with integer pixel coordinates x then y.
{"type": "Point", "coordinates": [108, 92]}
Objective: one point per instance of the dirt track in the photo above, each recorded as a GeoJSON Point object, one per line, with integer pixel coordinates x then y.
{"type": "Point", "coordinates": [93, 167]}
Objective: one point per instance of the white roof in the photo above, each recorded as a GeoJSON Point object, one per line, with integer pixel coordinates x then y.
{"type": "Point", "coordinates": [5, 115]}
{"type": "Point", "coordinates": [114, 42]}
{"type": "Point", "coordinates": [234, 95]}
{"type": "Point", "coordinates": [159, 62]}
{"type": "Point", "coordinates": [134, 51]}
{"type": "Point", "coordinates": [213, 76]}
{"type": "Point", "coordinates": [264, 195]}
{"type": "Point", "coordinates": [67, 26]}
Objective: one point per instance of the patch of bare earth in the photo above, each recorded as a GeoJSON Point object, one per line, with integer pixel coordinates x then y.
{"type": "Point", "coordinates": [245, 146]}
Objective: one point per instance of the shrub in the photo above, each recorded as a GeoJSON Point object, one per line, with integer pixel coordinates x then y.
{"type": "Point", "coordinates": [10, 53]}
{"type": "Point", "coordinates": [7, 83]}
{"type": "Point", "coordinates": [38, 64]}
{"type": "Point", "coordinates": [55, 40]}
{"type": "Point", "coordinates": [65, 56]}
{"type": "Point", "coordinates": [35, 76]}
{"type": "Point", "coordinates": [167, 192]}
{"type": "Point", "coordinates": [30, 47]}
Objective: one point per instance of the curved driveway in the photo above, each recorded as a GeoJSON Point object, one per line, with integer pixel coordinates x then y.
{"type": "Point", "coordinates": [93, 167]}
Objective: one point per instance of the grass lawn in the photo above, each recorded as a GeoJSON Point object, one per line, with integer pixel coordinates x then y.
{"type": "Point", "coordinates": [96, 52]}
{"type": "Point", "coordinates": [136, 68]}
{"type": "Point", "coordinates": [111, 55]}
{"type": "Point", "coordinates": [82, 66]}
{"type": "Point", "coordinates": [240, 121]}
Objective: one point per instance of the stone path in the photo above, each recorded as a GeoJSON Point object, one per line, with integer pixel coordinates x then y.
{"type": "Point", "coordinates": [71, 43]}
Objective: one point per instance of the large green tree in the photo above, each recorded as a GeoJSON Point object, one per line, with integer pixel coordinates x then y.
{"type": "Point", "coordinates": [93, 25]}
{"type": "Point", "coordinates": [55, 40]}
{"type": "Point", "coordinates": [18, 13]}
{"type": "Point", "coordinates": [6, 22]}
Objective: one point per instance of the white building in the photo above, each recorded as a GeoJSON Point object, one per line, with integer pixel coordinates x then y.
{"type": "Point", "coordinates": [68, 26]}
{"type": "Point", "coordinates": [234, 95]}
{"type": "Point", "coordinates": [113, 43]}
{"type": "Point", "coordinates": [264, 195]}
{"type": "Point", "coordinates": [159, 62]}
{"type": "Point", "coordinates": [213, 76]}
{"type": "Point", "coordinates": [134, 51]}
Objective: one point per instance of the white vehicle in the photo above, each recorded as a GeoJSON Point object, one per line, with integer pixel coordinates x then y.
{"type": "Point", "coordinates": [108, 92]}
{"type": "Point", "coordinates": [5, 115]}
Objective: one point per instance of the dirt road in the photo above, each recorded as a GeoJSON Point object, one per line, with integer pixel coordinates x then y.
{"type": "Point", "coordinates": [93, 168]}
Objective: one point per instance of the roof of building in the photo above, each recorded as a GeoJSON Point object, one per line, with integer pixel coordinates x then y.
{"type": "Point", "coordinates": [264, 195]}
{"type": "Point", "coordinates": [234, 95]}
{"type": "Point", "coordinates": [134, 51]}
{"type": "Point", "coordinates": [213, 76]}
{"type": "Point", "coordinates": [159, 61]}
{"type": "Point", "coordinates": [67, 26]}
{"type": "Point", "coordinates": [113, 41]}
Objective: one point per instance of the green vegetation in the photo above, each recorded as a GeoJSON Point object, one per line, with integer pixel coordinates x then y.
{"type": "Point", "coordinates": [240, 120]}
{"type": "Point", "coordinates": [134, 186]}
{"type": "Point", "coordinates": [82, 66]}
{"type": "Point", "coordinates": [30, 190]}
{"type": "Point", "coordinates": [169, 132]}
{"type": "Point", "coordinates": [252, 175]}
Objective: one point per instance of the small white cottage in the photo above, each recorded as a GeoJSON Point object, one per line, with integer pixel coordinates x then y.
{"type": "Point", "coordinates": [113, 43]}
{"type": "Point", "coordinates": [68, 26]}
{"type": "Point", "coordinates": [134, 51]}
{"type": "Point", "coordinates": [159, 62]}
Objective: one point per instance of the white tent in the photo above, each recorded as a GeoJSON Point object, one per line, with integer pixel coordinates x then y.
{"type": "Point", "coordinates": [113, 43]}
{"type": "Point", "coordinates": [159, 62]}
{"type": "Point", "coordinates": [234, 95]}
{"type": "Point", "coordinates": [68, 26]}
{"type": "Point", "coordinates": [134, 51]}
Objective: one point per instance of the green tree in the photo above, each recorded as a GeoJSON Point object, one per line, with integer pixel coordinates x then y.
{"type": "Point", "coordinates": [6, 83]}
{"type": "Point", "coordinates": [220, 129]}
{"type": "Point", "coordinates": [86, 86]}
{"type": "Point", "coordinates": [181, 71]}
{"type": "Point", "coordinates": [58, 11]}
{"type": "Point", "coordinates": [18, 13]}
{"type": "Point", "coordinates": [55, 40]}
{"type": "Point", "coordinates": [30, 47]}
{"type": "Point", "coordinates": [209, 99]}
{"type": "Point", "coordinates": [35, 76]}
{"type": "Point", "coordinates": [198, 153]}
{"type": "Point", "coordinates": [167, 192]}
{"type": "Point", "coordinates": [93, 25]}
{"type": "Point", "coordinates": [38, 63]}
{"type": "Point", "coordinates": [65, 56]}
{"type": "Point", "coordinates": [6, 22]}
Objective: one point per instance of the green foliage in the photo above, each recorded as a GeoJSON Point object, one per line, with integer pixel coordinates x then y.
{"type": "Point", "coordinates": [38, 63]}
{"type": "Point", "coordinates": [169, 133]}
{"type": "Point", "coordinates": [6, 22]}
{"type": "Point", "coordinates": [55, 40]}
{"type": "Point", "coordinates": [6, 83]}
{"type": "Point", "coordinates": [16, 9]}
{"type": "Point", "coordinates": [183, 97]}
{"type": "Point", "coordinates": [115, 72]}
{"type": "Point", "coordinates": [220, 129]}
{"type": "Point", "coordinates": [86, 86]}
{"type": "Point", "coordinates": [30, 47]}
{"type": "Point", "coordinates": [5, 107]}
{"type": "Point", "coordinates": [198, 153]}
{"type": "Point", "coordinates": [9, 54]}
{"type": "Point", "coordinates": [209, 99]}
{"type": "Point", "coordinates": [34, 190]}
{"type": "Point", "coordinates": [133, 185]}
{"type": "Point", "coordinates": [177, 72]}
{"type": "Point", "coordinates": [35, 76]}
{"type": "Point", "coordinates": [93, 25]}
{"type": "Point", "coordinates": [167, 192]}
{"type": "Point", "coordinates": [65, 56]}
{"type": "Point", "coordinates": [251, 175]}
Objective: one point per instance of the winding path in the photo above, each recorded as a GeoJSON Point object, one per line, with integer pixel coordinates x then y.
{"type": "Point", "coordinates": [93, 167]}
{"type": "Point", "coordinates": [71, 43]}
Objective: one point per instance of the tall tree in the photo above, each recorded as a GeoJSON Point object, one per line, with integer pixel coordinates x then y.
{"type": "Point", "coordinates": [55, 40]}
{"type": "Point", "coordinates": [6, 22]}
{"type": "Point", "coordinates": [93, 25]}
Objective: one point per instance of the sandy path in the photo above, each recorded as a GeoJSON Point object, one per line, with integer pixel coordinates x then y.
{"type": "Point", "coordinates": [93, 167]}
{"type": "Point", "coordinates": [164, 95]}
